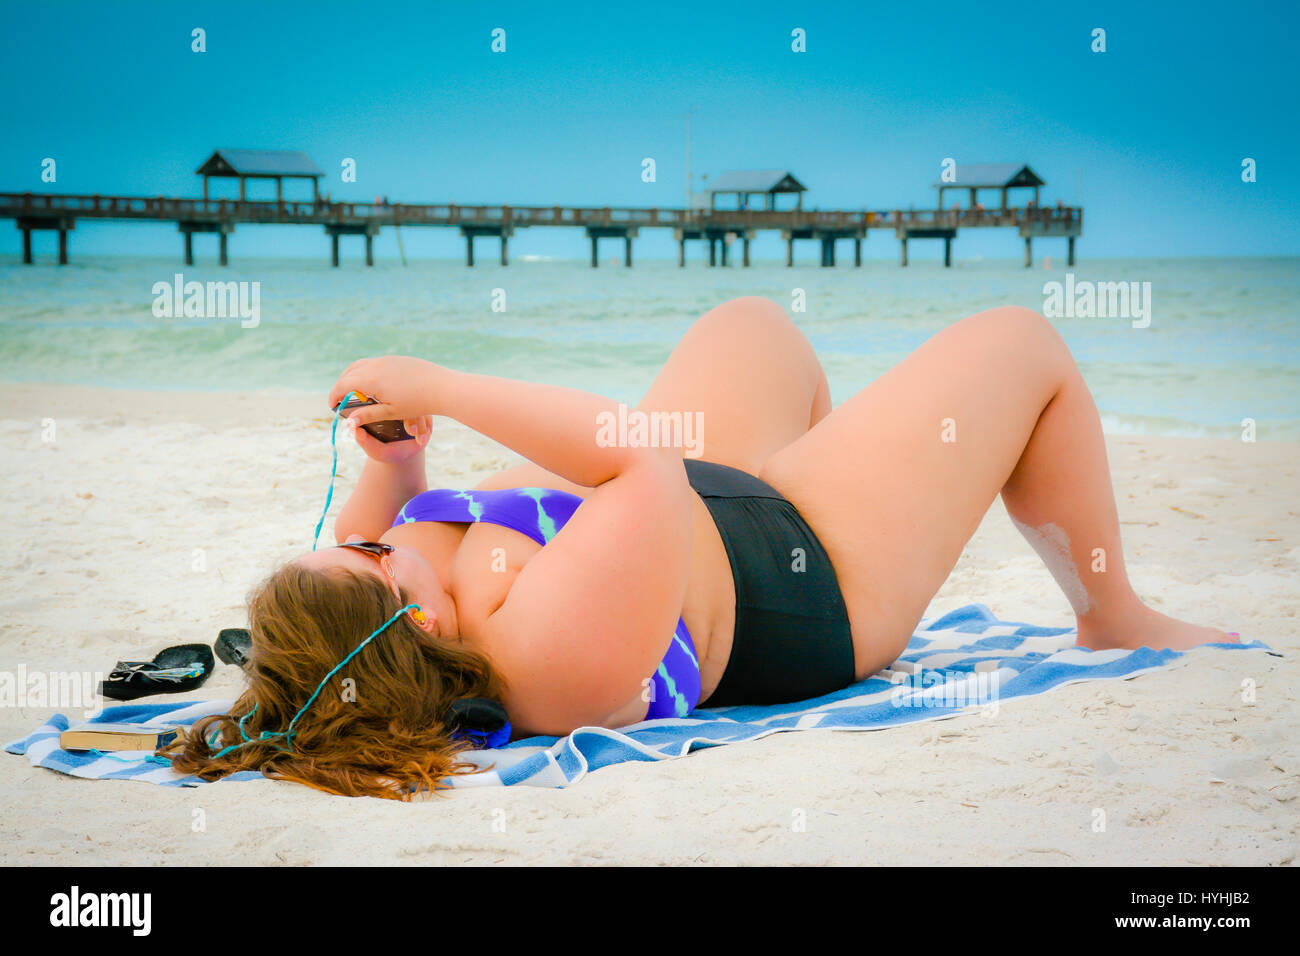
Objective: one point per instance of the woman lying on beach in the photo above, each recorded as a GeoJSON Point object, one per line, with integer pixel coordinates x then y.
{"type": "Point", "coordinates": [793, 557]}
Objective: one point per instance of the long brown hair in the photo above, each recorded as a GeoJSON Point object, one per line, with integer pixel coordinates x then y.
{"type": "Point", "coordinates": [376, 728]}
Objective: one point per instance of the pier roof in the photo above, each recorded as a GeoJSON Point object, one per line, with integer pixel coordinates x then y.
{"type": "Point", "coordinates": [260, 163]}
{"type": "Point", "coordinates": [994, 176]}
{"type": "Point", "coordinates": [757, 181]}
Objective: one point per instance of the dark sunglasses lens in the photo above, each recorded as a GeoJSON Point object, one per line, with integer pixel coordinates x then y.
{"type": "Point", "coordinates": [369, 547]}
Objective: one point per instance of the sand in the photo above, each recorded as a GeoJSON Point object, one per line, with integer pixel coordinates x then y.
{"type": "Point", "coordinates": [151, 514]}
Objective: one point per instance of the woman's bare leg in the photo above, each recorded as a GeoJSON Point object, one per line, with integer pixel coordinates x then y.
{"type": "Point", "coordinates": [750, 375]}
{"type": "Point", "coordinates": [897, 479]}
{"type": "Point", "coordinates": [746, 371]}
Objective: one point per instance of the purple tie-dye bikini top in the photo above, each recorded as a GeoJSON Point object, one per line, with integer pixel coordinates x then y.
{"type": "Point", "coordinates": [540, 513]}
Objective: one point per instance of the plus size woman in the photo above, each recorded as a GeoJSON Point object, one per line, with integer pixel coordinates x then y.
{"type": "Point", "coordinates": [606, 583]}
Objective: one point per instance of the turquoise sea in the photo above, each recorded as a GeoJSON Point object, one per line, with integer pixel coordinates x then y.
{"type": "Point", "coordinates": [1223, 342]}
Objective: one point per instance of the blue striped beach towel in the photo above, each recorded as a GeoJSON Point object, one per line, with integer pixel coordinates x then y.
{"type": "Point", "coordinates": [966, 661]}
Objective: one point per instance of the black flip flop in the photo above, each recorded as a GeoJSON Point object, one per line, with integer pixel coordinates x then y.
{"type": "Point", "coordinates": [234, 646]}
{"type": "Point", "coordinates": [173, 671]}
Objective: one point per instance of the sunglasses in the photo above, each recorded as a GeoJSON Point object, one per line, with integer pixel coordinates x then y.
{"type": "Point", "coordinates": [378, 550]}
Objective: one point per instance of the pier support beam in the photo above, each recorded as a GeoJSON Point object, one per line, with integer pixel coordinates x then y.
{"type": "Point", "coordinates": [1068, 227]}
{"type": "Point", "coordinates": [904, 233]}
{"type": "Point", "coordinates": [681, 234]}
{"type": "Point", "coordinates": [829, 239]}
{"type": "Point", "coordinates": [626, 233]}
{"type": "Point", "coordinates": [502, 233]}
{"type": "Point", "coordinates": [367, 229]}
{"type": "Point", "coordinates": [63, 224]}
{"type": "Point", "coordinates": [789, 250]}
{"type": "Point", "coordinates": [713, 252]}
{"type": "Point", "coordinates": [223, 230]}
{"type": "Point", "coordinates": [725, 247]}
{"type": "Point", "coordinates": [744, 247]}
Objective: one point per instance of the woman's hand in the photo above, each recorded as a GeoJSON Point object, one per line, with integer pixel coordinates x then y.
{"type": "Point", "coordinates": [395, 452]}
{"type": "Point", "coordinates": [403, 387]}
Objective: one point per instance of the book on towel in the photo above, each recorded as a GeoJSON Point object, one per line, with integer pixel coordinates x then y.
{"type": "Point", "coordinates": [116, 737]}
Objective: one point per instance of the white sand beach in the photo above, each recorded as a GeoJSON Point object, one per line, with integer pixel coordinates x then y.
{"type": "Point", "coordinates": [150, 515]}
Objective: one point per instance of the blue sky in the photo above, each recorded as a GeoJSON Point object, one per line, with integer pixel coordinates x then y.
{"type": "Point", "coordinates": [1150, 135]}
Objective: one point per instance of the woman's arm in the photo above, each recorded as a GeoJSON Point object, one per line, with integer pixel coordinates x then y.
{"type": "Point", "coordinates": [554, 427]}
{"type": "Point", "coordinates": [392, 476]}
{"type": "Point", "coordinates": [380, 493]}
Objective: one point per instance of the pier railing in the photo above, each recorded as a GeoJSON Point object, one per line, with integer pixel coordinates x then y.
{"type": "Point", "coordinates": [39, 205]}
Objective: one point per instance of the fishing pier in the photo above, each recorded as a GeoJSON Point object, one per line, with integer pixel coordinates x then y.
{"type": "Point", "coordinates": [723, 226]}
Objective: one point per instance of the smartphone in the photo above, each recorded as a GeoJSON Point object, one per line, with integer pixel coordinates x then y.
{"type": "Point", "coordinates": [389, 431]}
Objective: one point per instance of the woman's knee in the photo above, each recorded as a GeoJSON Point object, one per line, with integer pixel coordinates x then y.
{"type": "Point", "coordinates": [1024, 332]}
{"type": "Point", "coordinates": [750, 314]}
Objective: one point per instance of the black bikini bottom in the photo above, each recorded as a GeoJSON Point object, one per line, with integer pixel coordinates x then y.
{"type": "Point", "coordinates": [792, 639]}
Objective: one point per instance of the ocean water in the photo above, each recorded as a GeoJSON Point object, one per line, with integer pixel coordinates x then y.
{"type": "Point", "coordinates": [1223, 343]}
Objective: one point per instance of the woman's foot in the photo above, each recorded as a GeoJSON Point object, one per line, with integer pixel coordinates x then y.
{"type": "Point", "coordinates": [1144, 627]}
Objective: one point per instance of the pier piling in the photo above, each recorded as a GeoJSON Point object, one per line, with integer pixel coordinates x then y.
{"type": "Point", "coordinates": [189, 227]}
{"type": "Point", "coordinates": [366, 229]}
{"type": "Point", "coordinates": [501, 232]}
{"type": "Point", "coordinates": [62, 224]}
{"type": "Point", "coordinates": [626, 233]}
